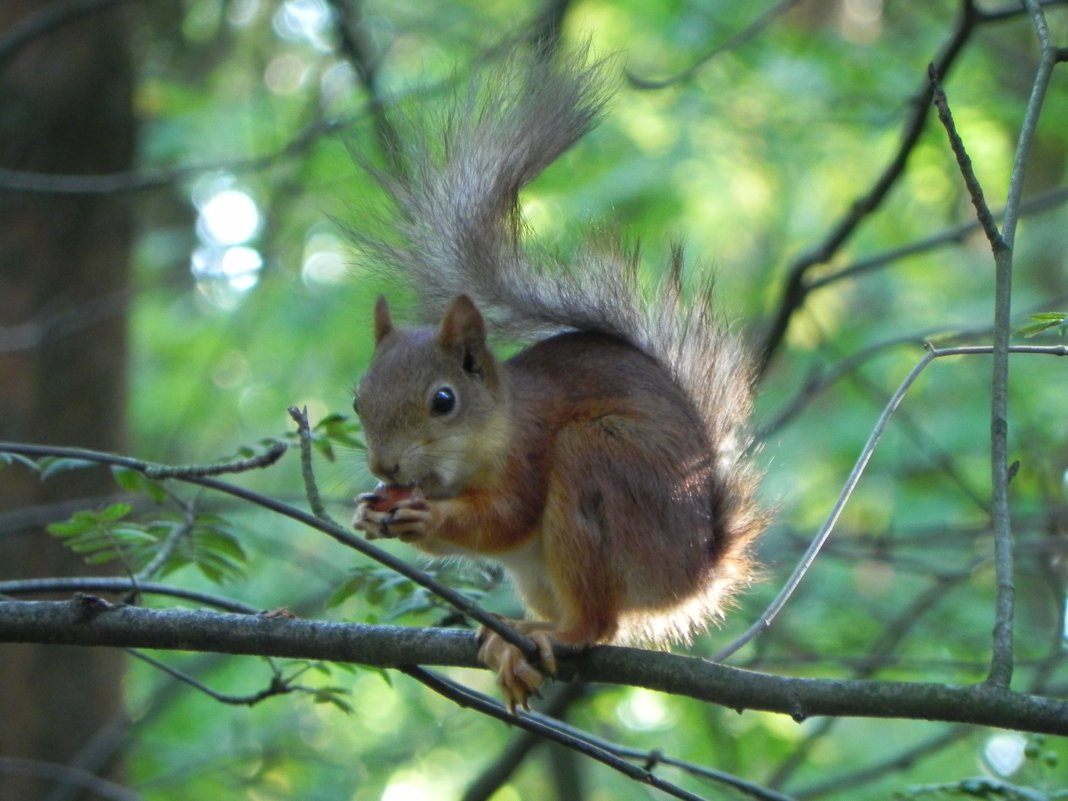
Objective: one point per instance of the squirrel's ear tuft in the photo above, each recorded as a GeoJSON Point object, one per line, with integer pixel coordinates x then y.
{"type": "Point", "coordinates": [383, 323]}
{"type": "Point", "coordinates": [462, 326]}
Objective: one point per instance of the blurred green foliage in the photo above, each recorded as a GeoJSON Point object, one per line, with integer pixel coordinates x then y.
{"type": "Point", "coordinates": [750, 158]}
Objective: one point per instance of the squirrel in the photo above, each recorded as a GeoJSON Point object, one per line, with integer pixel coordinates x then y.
{"type": "Point", "coordinates": [607, 466]}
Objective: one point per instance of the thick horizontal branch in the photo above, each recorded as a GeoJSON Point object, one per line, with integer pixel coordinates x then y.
{"type": "Point", "coordinates": [91, 621]}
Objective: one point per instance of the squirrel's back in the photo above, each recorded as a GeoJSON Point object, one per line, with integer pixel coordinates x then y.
{"type": "Point", "coordinates": [457, 230]}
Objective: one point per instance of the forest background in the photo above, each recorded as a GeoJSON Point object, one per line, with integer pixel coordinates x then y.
{"type": "Point", "coordinates": [174, 181]}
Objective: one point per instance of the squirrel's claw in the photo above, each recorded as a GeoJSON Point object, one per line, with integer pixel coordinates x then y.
{"type": "Point", "coordinates": [407, 520]}
{"type": "Point", "coordinates": [517, 678]}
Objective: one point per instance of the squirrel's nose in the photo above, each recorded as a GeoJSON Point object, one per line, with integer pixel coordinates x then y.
{"type": "Point", "coordinates": [384, 467]}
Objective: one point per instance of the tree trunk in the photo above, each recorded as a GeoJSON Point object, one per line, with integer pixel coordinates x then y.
{"type": "Point", "coordinates": [64, 281]}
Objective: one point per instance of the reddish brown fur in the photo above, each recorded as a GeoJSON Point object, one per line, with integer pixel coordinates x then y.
{"type": "Point", "coordinates": [609, 471]}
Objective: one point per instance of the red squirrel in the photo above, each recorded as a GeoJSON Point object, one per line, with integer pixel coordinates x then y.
{"type": "Point", "coordinates": [606, 466]}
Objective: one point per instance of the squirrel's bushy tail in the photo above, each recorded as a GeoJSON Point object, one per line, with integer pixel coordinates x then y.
{"type": "Point", "coordinates": [458, 229]}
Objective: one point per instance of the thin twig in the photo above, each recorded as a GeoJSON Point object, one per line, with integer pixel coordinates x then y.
{"type": "Point", "coordinates": [1001, 662]}
{"type": "Point", "coordinates": [167, 547]}
{"type": "Point", "coordinates": [769, 615]}
{"type": "Point", "coordinates": [1036, 204]}
{"type": "Point", "coordinates": [147, 179]}
{"type": "Point", "coordinates": [94, 584]}
{"type": "Point", "coordinates": [353, 45]}
{"type": "Point", "coordinates": [732, 42]}
{"type": "Point", "coordinates": [651, 759]}
{"type": "Point", "coordinates": [277, 685]}
{"type": "Point", "coordinates": [272, 454]}
{"type": "Point", "coordinates": [49, 18]}
{"type": "Point", "coordinates": [311, 488]}
{"type": "Point", "coordinates": [65, 774]}
{"type": "Point", "coordinates": [964, 163]}
{"type": "Point", "coordinates": [796, 288]}
{"type": "Point", "coordinates": [466, 697]}
{"type": "Point", "coordinates": [493, 776]}
{"type": "Point", "coordinates": [341, 535]}
{"type": "Point", "coordinates": [906, 759]}
{"type": "Point", "coordinates": [877, 657]}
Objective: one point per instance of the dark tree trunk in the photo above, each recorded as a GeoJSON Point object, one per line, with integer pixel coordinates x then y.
{"type": "Point", "coordinates": [65, 108]}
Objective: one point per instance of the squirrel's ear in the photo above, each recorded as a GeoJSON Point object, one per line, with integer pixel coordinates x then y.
{"type": "Point", "coordinates": [463, 331]}
{"type": "Point", "coordinates": [383, 323]}
{"type": "Point", "coordinates": [462, 325]}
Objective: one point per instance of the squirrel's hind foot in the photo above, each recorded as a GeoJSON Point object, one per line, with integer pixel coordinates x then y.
{"type": "Point", "coordinates": [516, 676]}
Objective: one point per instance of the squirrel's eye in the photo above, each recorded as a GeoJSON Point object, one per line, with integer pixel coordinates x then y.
{"type": "Point", "coordinates": [442, 402]}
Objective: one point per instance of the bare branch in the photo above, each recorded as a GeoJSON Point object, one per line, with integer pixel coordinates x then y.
{"type": "Point", "coordinates": [17, 587]}
{"type": "Point", "coordinates": [1036, 204]}
{"type": "Point", "coordinates": [964, 163]}
{"type": "Point", "coordinates": [141, 180]}
{"type": "Point", "coordinates": [65, 774]}
{"type": "Point", "coordinates": [864, 776]}
{"type": "Point", "coordinates": [546, 729]}
{"type": "Point", "coordinates": [492, 779]}
{"type": "Point", "coordinates": [311, 488]}
{"type": "Point", "coordinates": [341, 535]}
{"type": "Point", "coordinates": [736, 40]}
{"type": "Point", "coordinates": [277, 686]}
{"type": "Point", "coordinates": [48, 19]}
{"type": "Point", "coordinates": [354, 47]}
{"type": "Point", "coordinates": [166, 548]}
{"type": "Point", "coordinates": [769, 615]}
{"type": "Point", "coordinates": [797, 288]}
{"type": "Point", "coordinates": [497, 773]}
{"type": "Point", "coordinates": [272, 454]}
{"type": "Point", "coordinates": [1001, 664]}
{"type": "Point", "coordinates": [87, 621]}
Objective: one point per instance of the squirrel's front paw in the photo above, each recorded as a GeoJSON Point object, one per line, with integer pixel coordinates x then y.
{"type": "Point", "coordinates": [401, 512]}
{"type": "Point", "coordinates": [516, 677]}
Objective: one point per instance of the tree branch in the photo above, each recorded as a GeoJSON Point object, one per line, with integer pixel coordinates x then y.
{"type": "Point", "coordinates": [311, 488]}
{"type": "Point", "coordinates": [146, 179]}
{"type": "Point", "coordinates": [124, 586]}
{"type": "Point", "coordinates": [769, 615]}
{"type": "Point", "coordinates": [547, 729]}
{"type": "Point", "coordinates": [89, 621]}
{"type": "Point", "coordinates": [1001, 663]}
{"type": "Point", "coordinates": [68, 775]}
{"type": "Point", "coordinates": [341, 535]}
{"type": "Point", "coordinates": [732, 42]}
{"type": "Point", "coordinates": [797, 288]}
{"type": "Point", "coordinates": [41, 23]}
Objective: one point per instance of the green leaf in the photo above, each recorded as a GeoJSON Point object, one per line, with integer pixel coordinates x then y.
{"type": "Point", "coordinates": [387, 677]}
{"type": "Point", "coordinates": [54, 466]}
{"type": "Point", "coordinates": [104, 534]}
{"type": "Point", "coordinates": [88, 520]}
{"type": "Point", "coordinates": [1055, 317]}
{"type": "Point", "coordinates": [1043, 322]}
{"type": "Point", "coordinates": [220, 541]}
{"type": "Point", "coordinates": [216, 552]}
{"type": "Point", "coordinates": [346, 590]}
{"type": "Point", "coordinates": [337, 429]}
{"type": "Point", "coordinates": [333, 695]}
{"type": "Point", "coordinates": [136, 482]}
